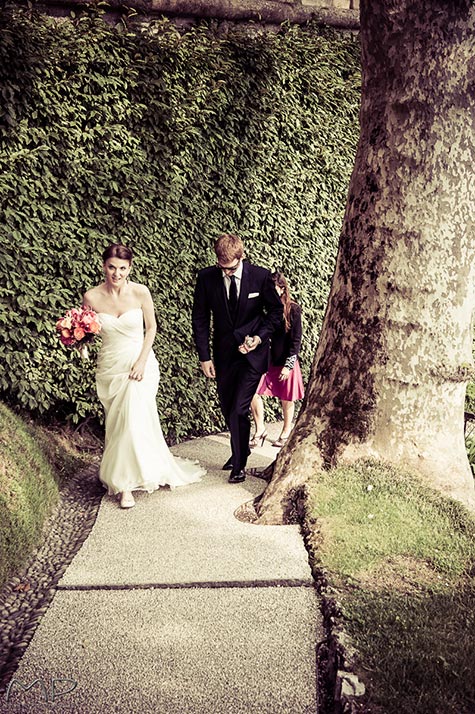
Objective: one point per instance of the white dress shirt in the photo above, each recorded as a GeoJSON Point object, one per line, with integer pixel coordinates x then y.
{"type": "Point", "coordinates": [227, 280]}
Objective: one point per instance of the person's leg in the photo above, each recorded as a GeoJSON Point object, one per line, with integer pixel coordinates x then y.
{"type": "Point", "coordinates": [257, 409]}
{"type": "Point", "coordinates": [288, 409]}
{"type": "Point", "coordinates": [226, 381]}
{"type": "Point", "coordinates": [239, 421]}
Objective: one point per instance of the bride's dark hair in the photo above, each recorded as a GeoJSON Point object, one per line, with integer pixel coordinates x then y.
{"type": "Point", "coordinates": [117, 250]}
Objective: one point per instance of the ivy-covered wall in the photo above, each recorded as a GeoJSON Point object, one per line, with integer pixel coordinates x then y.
{"type": "Point", "coordinates": [161, 140]}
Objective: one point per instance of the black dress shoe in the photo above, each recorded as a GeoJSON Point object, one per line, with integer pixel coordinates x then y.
{"type": "Point", "coordinates": [228, 466]}
{"type": "Point", "coordinates": [237, 476]}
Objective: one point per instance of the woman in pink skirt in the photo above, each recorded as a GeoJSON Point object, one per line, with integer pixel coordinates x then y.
{"type": "Point", "coordinates": [283, 378]}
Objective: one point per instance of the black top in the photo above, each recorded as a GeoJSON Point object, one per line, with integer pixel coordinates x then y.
{"type": "Point", "coordinates": [287, 344]}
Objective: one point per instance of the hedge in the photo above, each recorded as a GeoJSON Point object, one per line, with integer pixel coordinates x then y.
{"type": "Point", "coordinates": [161, 139]}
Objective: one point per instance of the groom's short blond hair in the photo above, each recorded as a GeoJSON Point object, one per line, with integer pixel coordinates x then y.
{"type": "Point", "coordinates": [228, 247]}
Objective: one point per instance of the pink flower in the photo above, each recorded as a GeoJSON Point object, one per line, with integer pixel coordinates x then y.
{"type": "Point", "coordinates": [67, 339]}
{"type": "Point", "coordinates": [78, 327]}
{"type": "Point", "coordinates": [87, 318]}
{"type": "Point", "coordinates": [64, 322]}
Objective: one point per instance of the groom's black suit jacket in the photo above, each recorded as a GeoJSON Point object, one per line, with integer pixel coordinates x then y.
{"type": "Point", "coordinates": [259, 312]}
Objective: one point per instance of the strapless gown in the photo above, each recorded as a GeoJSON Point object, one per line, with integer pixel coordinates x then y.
{"type": "Point", "coordinates": [136, 456]}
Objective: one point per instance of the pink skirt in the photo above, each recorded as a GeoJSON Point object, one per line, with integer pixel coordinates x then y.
{"type": "Point", "coordinates": [290, 390]}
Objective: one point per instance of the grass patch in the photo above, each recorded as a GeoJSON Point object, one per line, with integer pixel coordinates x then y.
{"type": "Point", "coordinates": [400, 558]}
{"type": "Point", "coordinates": [33, 460]}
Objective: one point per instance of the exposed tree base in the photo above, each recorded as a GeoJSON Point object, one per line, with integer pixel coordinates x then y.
{"type": "Point", "coordinates": [231, 10]}
{"type": "Point", "coordinates": [246, 513]}
{"type": "Point", "coordinates": [282, 501]}
{"type": "Point", "coordinates": [293, 511]}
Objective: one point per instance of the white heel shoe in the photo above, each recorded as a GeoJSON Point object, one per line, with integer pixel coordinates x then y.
{"type": "Point", "coordinates": [127, 500]}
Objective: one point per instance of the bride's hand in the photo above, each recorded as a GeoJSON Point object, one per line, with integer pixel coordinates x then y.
{"type": "Point", "coordinates": [137, 372]}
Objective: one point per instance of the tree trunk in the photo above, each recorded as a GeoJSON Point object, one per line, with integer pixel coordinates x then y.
{"type": "Point", "coordinates": [267, 11]}
{"type": "Point", "coordinates": [389, 375]}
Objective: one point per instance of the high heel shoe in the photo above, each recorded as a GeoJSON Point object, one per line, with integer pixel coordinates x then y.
{"type": "Point", "coordinates": [258, 440]}
{"type": "Point", "coordinates": [127, 500]}
{"type": "Point", "coordinates": [280, 441]}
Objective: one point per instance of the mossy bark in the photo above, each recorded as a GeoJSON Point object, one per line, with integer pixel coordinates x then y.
{"type": "Point", "coordinates": [389, 375]}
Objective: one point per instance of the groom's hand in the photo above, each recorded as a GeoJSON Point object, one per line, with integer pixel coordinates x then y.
{"type": "Point", "coordinates": [249, 344]}
{"type": "Point", "coordinates": [208, 368]}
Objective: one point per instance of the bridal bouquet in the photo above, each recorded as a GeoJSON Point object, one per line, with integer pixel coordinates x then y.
{"type": "Point", "coordinates": [78, 328]}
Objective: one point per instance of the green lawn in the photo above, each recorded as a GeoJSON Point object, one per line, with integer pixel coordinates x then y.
{"type": "Point", "coordinates": [33, 460]}
{"type": "Point", "coordinates": [400, 560]}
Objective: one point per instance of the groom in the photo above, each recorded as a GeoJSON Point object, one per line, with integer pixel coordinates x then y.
{"type": "Point", "coordinates": [246, 311]}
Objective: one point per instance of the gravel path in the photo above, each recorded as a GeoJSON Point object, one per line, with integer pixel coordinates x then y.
{"type": "Point", "coordinates": [222, 615]}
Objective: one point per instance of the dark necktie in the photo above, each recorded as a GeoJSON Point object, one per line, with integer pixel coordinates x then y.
{"type": "Point", "coordinates": [233, 296]}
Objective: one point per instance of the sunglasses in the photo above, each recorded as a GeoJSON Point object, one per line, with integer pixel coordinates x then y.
{"type": "Point", "coordinates": [229, 268]}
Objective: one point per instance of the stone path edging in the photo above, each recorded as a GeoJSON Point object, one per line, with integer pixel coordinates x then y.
{"type": "Point", "coordinates": [25, 597]}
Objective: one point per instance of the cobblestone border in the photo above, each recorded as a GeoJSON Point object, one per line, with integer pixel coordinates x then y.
{"type": "Point", "coordinates": [26, 597]}
{"type": "Point", "coordinates": [339, 690]}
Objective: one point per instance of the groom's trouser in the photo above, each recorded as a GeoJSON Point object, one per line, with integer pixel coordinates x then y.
{"type": "Point", "coordinates": [237, 383]}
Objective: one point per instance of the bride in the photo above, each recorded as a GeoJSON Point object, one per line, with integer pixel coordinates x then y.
{"type": "Point", "coordinates": [136, 456]}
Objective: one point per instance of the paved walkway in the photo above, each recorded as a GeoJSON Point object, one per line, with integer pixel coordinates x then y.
{"type": "Point", "coordinates": [176, 607]}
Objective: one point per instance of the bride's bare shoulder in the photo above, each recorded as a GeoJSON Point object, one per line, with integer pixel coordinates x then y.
{"type": "Point", "coordinates": [139, 290]}
{"type": "Point", "coordinates": [92, 295]}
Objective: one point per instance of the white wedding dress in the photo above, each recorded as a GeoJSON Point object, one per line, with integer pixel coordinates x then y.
{"type": "Point", "coordinates": [136, 456]}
